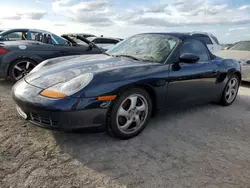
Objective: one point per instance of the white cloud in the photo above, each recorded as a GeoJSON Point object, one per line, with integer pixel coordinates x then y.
{"type": "Point", "coordinates": [90, 12]}
{"type": "Point", "coordinates": [186, 13]}
{"type": "Point", "coordinates": [9, 13]}
{"type": "Point", "coordinates": [238, 29]}
{"type": "Point", "coordinates": [244, 7]}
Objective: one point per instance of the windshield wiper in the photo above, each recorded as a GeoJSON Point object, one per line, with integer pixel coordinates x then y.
{"type": "Point", "coordinates": [129, 56]}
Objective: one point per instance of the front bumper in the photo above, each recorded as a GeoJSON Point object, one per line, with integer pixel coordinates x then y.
{"type": "Point", "coordinates": [63, 114]}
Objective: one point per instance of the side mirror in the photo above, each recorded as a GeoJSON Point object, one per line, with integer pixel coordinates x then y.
{"type": "Point", "coordinates": [189, 58]}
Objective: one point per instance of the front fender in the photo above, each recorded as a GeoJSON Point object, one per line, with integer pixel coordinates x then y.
{"type": "Point", "coordinates": [155, 87]}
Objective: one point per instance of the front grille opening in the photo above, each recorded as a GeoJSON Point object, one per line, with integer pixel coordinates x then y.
{"type": "Point", "coordinates": [43, 120]}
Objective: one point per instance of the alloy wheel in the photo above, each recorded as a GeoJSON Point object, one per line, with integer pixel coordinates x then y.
{"type": "Point", "coordinates": [132, 113]}
{"type": "Point", "coordinates": [231, 90]}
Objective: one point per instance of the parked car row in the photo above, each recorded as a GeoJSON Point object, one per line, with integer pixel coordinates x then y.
{"type": "Point", "coordinates": [22, 49]}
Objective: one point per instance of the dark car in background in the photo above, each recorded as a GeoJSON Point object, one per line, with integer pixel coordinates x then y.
{"type": "Point", "coordinates": [79, 40]}
{"type": "Point", "coordinates": [85, 35]}
{"type": "Point", "coordinates": [104, 42]}
{"type": "Point", "coordinates": [18, 58]}
{"type": "Point", "coordinates": [121, 88]}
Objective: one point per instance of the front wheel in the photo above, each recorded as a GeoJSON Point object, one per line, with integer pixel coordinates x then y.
{"type": "Point", "coordinates": [130, 113]}
{"type": "Point", "coordinates": [20, 68]}
{"type": "Point", "coordinates": [231, 90]}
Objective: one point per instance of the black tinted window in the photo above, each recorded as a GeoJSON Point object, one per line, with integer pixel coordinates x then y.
{"type": "Point", "coordinates": [195, 47]}
{"type": "Point", "coordinates": [105, 41]}
{"type": "Point", "coordinates": [111, 41]}
{"type": "Point", "coordinates": [97, 41]}
{"type": "Point", "coordinates": [202, 37]}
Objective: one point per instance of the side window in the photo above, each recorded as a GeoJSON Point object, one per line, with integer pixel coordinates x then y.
{"type": "Point", "coordinates": [97, 41]}
{"type": "Point", "coordinates": [111, 41]}
{"type": "Point", "coordinates": [14, 36]}
{"type": "Point", "coordinates": [202, 37]}
{"type": "Point", "coordinates": [107, 41]}
{"type": "Point", "coordinates": [195, 47]}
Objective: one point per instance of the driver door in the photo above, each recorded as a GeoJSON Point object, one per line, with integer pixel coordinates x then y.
{"type": "Point", "coordinates": [192, 83]}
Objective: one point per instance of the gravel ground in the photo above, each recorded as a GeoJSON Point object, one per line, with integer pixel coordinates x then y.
{"type": "Point", "coordinates": [205, 146]}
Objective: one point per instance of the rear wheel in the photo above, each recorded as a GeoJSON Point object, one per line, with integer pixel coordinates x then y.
{"type": "Point", "coordinates": [231, 90]}
{"type": "Point", "coordinates": [130, 113]}
{"type": "Point", "coordinates": [20, 68]}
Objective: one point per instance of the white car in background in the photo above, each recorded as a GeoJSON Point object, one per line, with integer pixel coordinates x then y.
{"type": "Point", "coordinates": [241, 52]}
{"type": "Point", "coordinates": [211, 41]}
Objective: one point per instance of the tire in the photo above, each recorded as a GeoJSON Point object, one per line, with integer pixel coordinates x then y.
{"type": "Point", "coordinates": [225, 96]}
{"type": "Point", "coordinates": [20, 68]}
{"type": "Point", "coordinates": [116, 122]}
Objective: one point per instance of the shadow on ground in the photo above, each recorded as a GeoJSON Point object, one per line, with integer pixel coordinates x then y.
{"type": "Point", "coordinates": [245, 84]}
{"type": "Point", "coordinates": [182, 147]}
{"type": "Point", "coordinates": [6, 82]}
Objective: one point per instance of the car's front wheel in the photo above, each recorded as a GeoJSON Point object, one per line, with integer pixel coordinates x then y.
{"type": "Point", "coordinates": [231, 90]}
{"type": "Point", "coordinates": [130, 113]}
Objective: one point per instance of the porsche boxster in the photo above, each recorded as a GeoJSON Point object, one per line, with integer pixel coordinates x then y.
{"type": "Point", "coordinates": [122, 88]}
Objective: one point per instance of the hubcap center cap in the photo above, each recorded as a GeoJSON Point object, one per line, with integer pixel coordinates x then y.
{"type": "Point", "coordinates": [133, 113]}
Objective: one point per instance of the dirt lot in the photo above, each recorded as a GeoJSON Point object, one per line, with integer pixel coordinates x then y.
{"type": "Point", "coordinates": [206, 146]}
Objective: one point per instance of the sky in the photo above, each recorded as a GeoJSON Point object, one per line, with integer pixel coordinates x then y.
{"type": "Point", "coordinates": [229, 20]}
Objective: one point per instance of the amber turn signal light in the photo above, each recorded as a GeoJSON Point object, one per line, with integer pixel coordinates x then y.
{"type": "Point", "coordinates": [53, 94]}
{"type": "Point", "coordinates": [106, 98]}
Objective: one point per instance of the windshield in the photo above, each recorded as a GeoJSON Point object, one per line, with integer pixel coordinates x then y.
{"type": "Point", "coordinates": [242, 46]}
{"type": "Point", "coordinates": [60, 40]}
{"type": "Point", "coordinates": [146, 47]}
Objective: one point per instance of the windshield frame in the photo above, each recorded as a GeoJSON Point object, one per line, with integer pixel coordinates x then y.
{"type": "Point", "coordinates": [165, 60]}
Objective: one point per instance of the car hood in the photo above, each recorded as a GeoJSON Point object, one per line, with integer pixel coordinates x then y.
{"type": "Point", "coordinates": [234, 54]}
{"type": "Point", "coordinates": [59, 70]}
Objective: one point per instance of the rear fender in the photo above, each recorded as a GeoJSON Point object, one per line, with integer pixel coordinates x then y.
{"type": "Point", "coordinates": [10, 57]}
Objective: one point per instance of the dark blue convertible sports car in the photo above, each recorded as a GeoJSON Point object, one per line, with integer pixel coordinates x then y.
{"type": "Point", "coordinates": [124, 87]}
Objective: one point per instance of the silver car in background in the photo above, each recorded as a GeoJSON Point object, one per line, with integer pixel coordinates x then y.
{"type": "Point", "coordinates": [241, 52]}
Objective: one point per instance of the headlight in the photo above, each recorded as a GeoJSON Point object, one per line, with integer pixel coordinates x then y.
{"type": "Point", "coordinates": [62, 90]}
